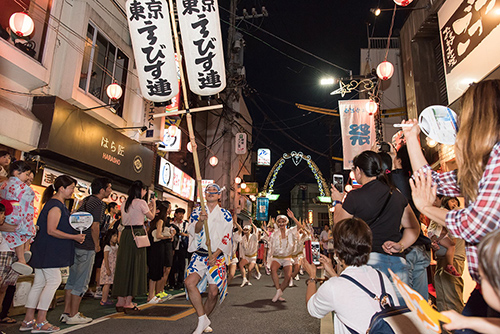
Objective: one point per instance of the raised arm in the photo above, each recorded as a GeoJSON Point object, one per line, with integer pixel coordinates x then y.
{"type": "Point", "coordinates": [417, 157]}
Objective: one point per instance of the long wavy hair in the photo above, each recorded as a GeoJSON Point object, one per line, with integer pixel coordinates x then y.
{"type": "Point", "coordinates": [479, 132]}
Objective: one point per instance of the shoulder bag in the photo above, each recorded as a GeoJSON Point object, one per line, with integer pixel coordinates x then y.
{"type": "Point", "coordinates": [141, 241]}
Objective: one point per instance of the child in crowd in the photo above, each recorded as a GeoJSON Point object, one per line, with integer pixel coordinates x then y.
{"type": "Point", "coordinates": [5, 159]}
{"type": "Point", "coordinates": [439, 236]}
{"type": "Point", "coordinates": [489, 270]}
{"type": "Point", "coordinates": [109, 264]}
{"type": "Point", "coordinates": [21, 196]}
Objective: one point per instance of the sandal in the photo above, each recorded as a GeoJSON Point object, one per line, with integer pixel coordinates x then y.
{"type": "Point", "coordinates": [22, 268]}
{"type": "Point", "coordinates": [38, 328]}
{"type": "Point", "coordinates": [27, 325]}
{"type": "Point", "coordinates": [132, 310]}
{"type": "Point", "coordinates": [8, 320]}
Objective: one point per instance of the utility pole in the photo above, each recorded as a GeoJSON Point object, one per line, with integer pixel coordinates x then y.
{"type": "Point", "coordinates": [230, 98]}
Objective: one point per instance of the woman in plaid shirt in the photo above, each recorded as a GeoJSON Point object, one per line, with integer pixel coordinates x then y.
{"type": "Point", "coordinates": [477, 178]}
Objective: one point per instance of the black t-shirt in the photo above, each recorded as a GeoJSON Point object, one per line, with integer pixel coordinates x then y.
{"type": "Point", "coordinates": [366, 203]}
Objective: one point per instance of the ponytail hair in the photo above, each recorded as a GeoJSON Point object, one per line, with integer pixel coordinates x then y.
{"type": "Point", "coordinates": [61, 181]}
{"type": "Point", "coordinates": [386, 165]}
{"type": "Point", "coordinates": [371, 164]}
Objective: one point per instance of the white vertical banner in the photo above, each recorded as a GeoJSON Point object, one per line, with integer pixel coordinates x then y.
{"type": "Point", "coordinates": [151, 34]}
{"type": "Point", "coordinates": [155, 127]}
{"type": "Point", "coordinates": [202, 43]}
{"type": "Point", "coordinates": [358, 129]}
{"type": "Point", "coordinates": [241, 143]}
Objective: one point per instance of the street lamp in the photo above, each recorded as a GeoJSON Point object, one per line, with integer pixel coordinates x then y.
{"type": "Point", "coordinates": [327, 81]}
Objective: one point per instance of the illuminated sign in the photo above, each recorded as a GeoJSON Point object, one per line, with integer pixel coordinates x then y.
{"type": "Point", "coordinates": [263, 157]}
{"type": "Point", "coordinates": [176, 180]}
{"type": "Point", "coordinates": [310, 216]}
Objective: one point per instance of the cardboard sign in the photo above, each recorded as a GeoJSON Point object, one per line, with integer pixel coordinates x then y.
{"type": "Point", "coordinates": [416, 303]}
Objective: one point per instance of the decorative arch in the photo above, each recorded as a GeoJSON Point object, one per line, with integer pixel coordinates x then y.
{"type": "Point", "coordinates": [296, 158]}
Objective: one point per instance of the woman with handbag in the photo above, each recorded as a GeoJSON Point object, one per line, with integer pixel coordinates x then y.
{"type": "Point", "coordinates": [385, 210]}
{"type": "Point", "coordinates": [131, 263]}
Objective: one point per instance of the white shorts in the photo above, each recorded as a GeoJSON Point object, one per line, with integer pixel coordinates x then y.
{"type": "Point", "coordinates": [234, 259]}
{"type": "Point", "coordinates": [250, 259]}
{"type": "Point", "coordinates": [283, 262]}
{"type": "Point", "coordinates": [199, 265]}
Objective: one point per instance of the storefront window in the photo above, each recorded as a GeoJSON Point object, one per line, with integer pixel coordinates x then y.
{"type": "Point", "coordinates": [102, 64]}
{"type": "Point", "coordinates": [39, 12]}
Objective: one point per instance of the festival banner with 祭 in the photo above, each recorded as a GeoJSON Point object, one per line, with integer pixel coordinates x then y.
{"type": "Point", "coordinates": [358, 129]}
{"type": "Point", "coordinates": [202, 43]}
{"type": "Point", "coordinates": [151, 34]}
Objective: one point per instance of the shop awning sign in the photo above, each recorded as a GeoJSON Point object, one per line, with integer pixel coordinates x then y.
{"type": "Point", "coordinates": [176, 180]}
{"type": "Point", "coordinates": [202, 43]}
{"type": "Point", "coordinates": [151, 35]}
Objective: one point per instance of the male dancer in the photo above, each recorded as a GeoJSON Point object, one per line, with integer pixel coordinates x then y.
{"type": "Point", "coordinates": [203, 268]}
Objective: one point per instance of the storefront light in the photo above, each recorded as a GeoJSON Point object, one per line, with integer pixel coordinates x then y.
{"type": "Point", "coordinates": [21, 24]}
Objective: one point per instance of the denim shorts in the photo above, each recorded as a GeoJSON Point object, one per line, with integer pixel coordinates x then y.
{"type": "Point", "coordinates": [80, 271]}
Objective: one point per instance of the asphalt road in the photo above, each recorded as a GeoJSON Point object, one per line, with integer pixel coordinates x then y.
{"type": "Point", "coordinates": [247, 310]}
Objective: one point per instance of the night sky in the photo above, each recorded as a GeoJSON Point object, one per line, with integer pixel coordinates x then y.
{"type": "Point", "coordinates": [279, 75]}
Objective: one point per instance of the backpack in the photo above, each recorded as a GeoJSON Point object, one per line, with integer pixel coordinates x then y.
{"type": "Point", "coordinates": [391, 319]}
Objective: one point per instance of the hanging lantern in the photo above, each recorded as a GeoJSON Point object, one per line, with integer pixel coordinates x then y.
{"type": "Point", "coordinates": [237, 180]}
{"type": "Point", "coordinates": [21, 24]}
{"type": "Point", "coordinates": [114, 91]}
{"type": "Point", "coordinates": [348, 188]}
{"type": "Point", "coordinates": [371, 107]}
{"type": "Point", "coordinates": [172, 130]}
{"type": "Point", "coordinates": [243, 185]}
{"type": "Point", "coordinates": [190, 147]}
{"type": "Point", "coordinates": [385, 70]}
{"type": "Point", "coordinates": [403, 3]}
{"type": "Point", "coordinates": [213, 161]}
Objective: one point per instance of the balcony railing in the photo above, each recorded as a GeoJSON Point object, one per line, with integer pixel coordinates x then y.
{"type": "Point", "coordinates": [381, 43]}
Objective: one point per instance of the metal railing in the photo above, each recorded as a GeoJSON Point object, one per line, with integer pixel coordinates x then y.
{"type": "Point", "coordinates": [381, 43]}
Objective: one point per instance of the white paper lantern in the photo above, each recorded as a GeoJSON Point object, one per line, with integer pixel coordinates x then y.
{"type": "Point", "coordinates": [190, 147]}
{"type": "Point", "coordinates": [213, 161]}
{"type": "Point", "coordinates": [114, 91]}
{"type": "Point", "coordinates": [403, 2]}
{"type": "Point", "coordinates": [172, 130]}
{"type": "Point", "coordinates": [385, 70]}
{"type": "Point", "coordinates": [237, 180]}
{"type": "Point", "coordinates": [21, 24]}
{"type": "Point", "coordinates": [371, 107]}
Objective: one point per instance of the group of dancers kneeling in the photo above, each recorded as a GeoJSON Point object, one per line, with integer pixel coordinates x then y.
{"type": "Point", "coordinates": [273, 246]}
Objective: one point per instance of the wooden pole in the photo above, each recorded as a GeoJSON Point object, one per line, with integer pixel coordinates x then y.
{"type": "Point", "coordinates": [190, 125]}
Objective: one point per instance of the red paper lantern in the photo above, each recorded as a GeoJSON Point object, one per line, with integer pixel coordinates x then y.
{"type": "Point", "coordinates": [403, 2]}
{"type": "Point", "coordinates": [213, 161]}
{"type": "Point", "coordinates": [371, 107]}
{"type": "Point", "coordinates": [385, 70]}
{"type": "Point", "coordinates": [21, 24]}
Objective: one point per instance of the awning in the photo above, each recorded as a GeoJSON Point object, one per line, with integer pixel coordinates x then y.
{"type": "Point", "coordinates": [19, 128]}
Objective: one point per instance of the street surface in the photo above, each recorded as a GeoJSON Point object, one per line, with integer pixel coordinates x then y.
{"type": "Point", "coordinates": [245, 310]}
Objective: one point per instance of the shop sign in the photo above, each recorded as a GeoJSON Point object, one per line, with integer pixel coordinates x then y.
{"type": "Point", "coordinates": [252, 188]}
{"type": "Point", "coordinates": [241, 143]}
{"type": "Point", "coordinates": [470, 31]}
{"type": "Point", "coordinates": [176, 180]}
{"type": "Point", "coordinates": [262, 208]}
{"type": "Point", "coordinates": [155, 127]}
{"type": "Point", "coordinates": [82, 188]}
{"type": "Point", "coordinates": [72, 133]}
{"type": "Point", "coordinates": [202, 43]}
{"type": "Point", "coordinates": [171, 143]}
{"type": "Point", "coordinates": [263, 157]}
{"type": "Point", "coordinates": [151, 35]}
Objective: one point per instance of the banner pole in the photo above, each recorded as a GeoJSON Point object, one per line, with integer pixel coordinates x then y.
{"type": "Point", "coordinates": [190, 125]}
